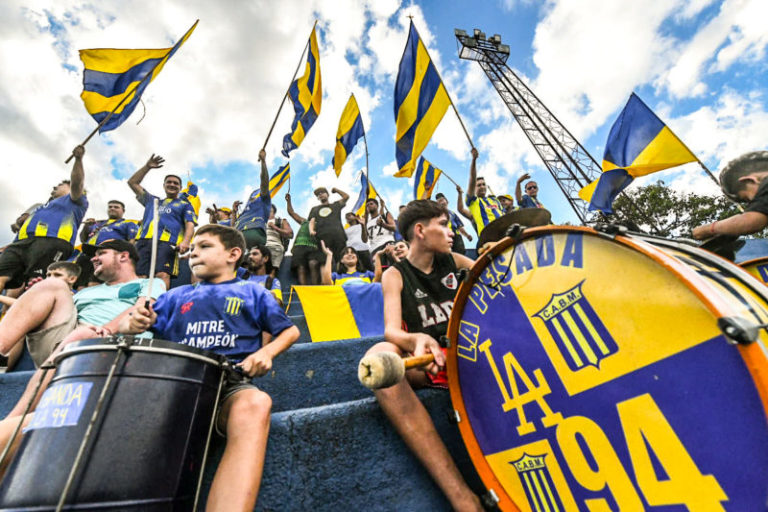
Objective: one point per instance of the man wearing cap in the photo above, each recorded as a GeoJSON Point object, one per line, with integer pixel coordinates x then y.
{"type": "Point", "coordinates": [507, 203]}
{"type": "Point", "coordinates": [95, 232]}
{"type": "Point", "coordinates": [743, 180]}
{"type": "Point", "coordinates": [529, 199]}
{"type": "Point", "coordinates": [380, 226]}
{"type": "Point", "coordinates": [325, 221]}
{"type": "Point", "coordinates": [221, 216]}
{"type": "Point", "coordinates": [175, 224]}
{"type": "Point", "coordinates": [48, 312]}
{"type": "Point", "coordinates": [483, 209]}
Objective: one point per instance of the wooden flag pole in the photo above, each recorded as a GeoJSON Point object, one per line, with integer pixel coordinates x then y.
{"type": "Point", "coordinates": [461, 121]}
{"type": "Point", "coordinates": [129, 95]}
{"type": "Point", "coordinates": [741, 208]}
{"type": "Point", "coordinates": [269, 134]}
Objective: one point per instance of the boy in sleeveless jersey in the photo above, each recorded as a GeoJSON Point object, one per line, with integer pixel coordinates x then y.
{"type": "Point", "coordinates": [227, 315]}
{"type": "Point", "coordinates": [418, 298]}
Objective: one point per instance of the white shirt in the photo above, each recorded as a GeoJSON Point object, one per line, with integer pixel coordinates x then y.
{"type": "Point", "coordinates": [355, 238]}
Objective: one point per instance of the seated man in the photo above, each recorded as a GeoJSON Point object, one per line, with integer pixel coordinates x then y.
{"type": "Point", "coordinates": [743, 180]}
{"type": "Point", "coordinates": [259, 270]}
{"type": "Point", "coordinates": [244, 311]}
{"type": "Point", "coordinates": [48, 312]}
{"type": "Point", "coordinates": [412, 325]}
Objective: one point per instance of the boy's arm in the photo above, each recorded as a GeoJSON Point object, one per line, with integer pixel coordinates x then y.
{"type": "Point", "coordinates": [260, 362]}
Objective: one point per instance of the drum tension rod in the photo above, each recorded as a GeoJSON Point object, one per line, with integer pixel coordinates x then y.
{"type": "Point", "coordinates": [612, 230]}
{"type": "Point", "coordinates": [739, 330]}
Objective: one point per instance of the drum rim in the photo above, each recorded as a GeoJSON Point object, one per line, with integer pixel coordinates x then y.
{"type": "Point", "coordinates": [753, 261]}
{"type": "Point", "coordinates": [208, 358]}
{"type": "Point", "coordinates": [752, 354]}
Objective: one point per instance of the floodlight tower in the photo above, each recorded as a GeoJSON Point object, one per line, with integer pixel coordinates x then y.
{"type": "Point", "coordinates": [570, 164]}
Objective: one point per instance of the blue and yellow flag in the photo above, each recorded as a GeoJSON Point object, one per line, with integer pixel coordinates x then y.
{"type": "Point", "coordinates": [366, 192]}
{"type": "Point", "coordinates": [420, 103]}
{"type": "Point", "coordinates": [192, 195]}
{"type": "Point", "coordinates": [278, 179]}
{"type": "Point", "coordinates": [112, 76]}
{"type": "Point", "coordinates": [349, 132]}
{"type": "Point", "coordinates": [639, 144]}
{"type": "Point", "coordinates": [357, 311]}
{"type": "Point", "coordinates": [426, 179]}
{"type": "Point", "coordinates": [306, 93]}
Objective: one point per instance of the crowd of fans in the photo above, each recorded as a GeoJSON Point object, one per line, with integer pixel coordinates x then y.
{"type": "Point", "coordinates": [54, 291]}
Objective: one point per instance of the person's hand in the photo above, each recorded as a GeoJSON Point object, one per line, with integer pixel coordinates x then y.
{"type": "Point", "coordinates": [155, 162]}
{"type": "Point", "coordinates": [262, 155]}
{"type": "Point", "coordinates": [256, 364]}
{"type": "Point", "coordinates": [32, 282]}
{"type": "Point", "coordinates": [469, 237]}
{"type": "Point", "coordinates": [334, 190]}
{"type": "Point", "coordinates": [523, 177]}
{"type": "Point", "coordinates": [141, 318]}
{"type": "Point", "coordinates": [379, 221]}
{"type": "Point", "coordinates": [271, 224]}
{"type": "Point", "coordinates": [426, 344]}
{"type": "Point", "coordinates": [78, 152]}
{"type": "Point", "coordinates": [183, 248]}
{"type": "Point", "coordinates": [287, 196]}
{"type": "Point", "coordinates": [474, 153]}
{"type": "Point", "coordinates": [90, 220]}
{"type": "Point", "coordinates": [325, 249]}
{"type": "Point", "coordinates": [236, 206]}
{"type": "Point", "coordinates": [459, 189]}
{"type": "Point", "coordinates": [210, 211]}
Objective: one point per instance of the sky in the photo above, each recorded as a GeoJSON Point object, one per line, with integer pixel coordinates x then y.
{"type": "Point", "coordinates": [699, 64]}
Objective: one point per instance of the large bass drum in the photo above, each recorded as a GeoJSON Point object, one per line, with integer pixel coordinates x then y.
{"type": "Point", "coordinates": [146, 446]}
{"type": "Point", "coordinates": [592, 372]}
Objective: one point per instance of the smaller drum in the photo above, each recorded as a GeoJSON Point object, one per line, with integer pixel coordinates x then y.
{"type": "Point", "coordinates": [146, 449]}
{"type": "Point", "coordinates": [593, 372]}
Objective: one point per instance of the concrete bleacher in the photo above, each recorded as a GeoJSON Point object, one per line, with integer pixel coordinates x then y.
{"type": "Point", "coordinates": [329, 444]}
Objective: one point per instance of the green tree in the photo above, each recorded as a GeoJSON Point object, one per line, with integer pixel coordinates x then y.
{"type": "Point", "coordinates": [665, 212]}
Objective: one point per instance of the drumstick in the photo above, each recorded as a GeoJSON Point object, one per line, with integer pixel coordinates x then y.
{"type": "Point", "coordinates": [385, 369]}
{"type": "Point", "coordinates": [153, 256]}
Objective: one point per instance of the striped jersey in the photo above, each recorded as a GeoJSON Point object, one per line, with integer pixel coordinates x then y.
{"type": "Point", "coordinates": [58, 218]}
{"type": "Point", "coordinates": [173, 213]}
{"type": "Point", "coordinates": [484, 210]}
{"type": "Point", "coordinates": [112, 229]}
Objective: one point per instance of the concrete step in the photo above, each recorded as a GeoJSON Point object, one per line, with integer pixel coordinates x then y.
{"type": "Point", "coordinates": [347, 455]}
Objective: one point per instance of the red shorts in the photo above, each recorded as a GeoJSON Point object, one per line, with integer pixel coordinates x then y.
{"type": "Point", "coordinates": [441, 379]}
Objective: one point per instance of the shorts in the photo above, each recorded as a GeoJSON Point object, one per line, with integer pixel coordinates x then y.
{"type": "Point", "coordinates": [276, 253]}
{"type": "Point", "coordinates": [167, 258]}
{"type": "Point", "coordinates": [229, 389]}
{"type": "Point", "coordinates": [302, 254]}
{"type": "Point", "coordinates": [441, 379]}
{"type": "Point", "coordinates": [254, 236]}
{"type": "Point", "coordinates": [28, 258]}
{"type": "Point", "coordinates": [41, 344]}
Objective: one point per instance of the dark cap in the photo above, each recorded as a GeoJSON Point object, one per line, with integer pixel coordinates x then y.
{"type": "Point", "coordinates": [116, 245]}
{"type": "Point", "coordinates": [440, 195]}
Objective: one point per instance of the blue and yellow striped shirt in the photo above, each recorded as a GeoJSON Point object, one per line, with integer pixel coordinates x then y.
{"type": "Point", "coordinates": [173, 213]}
{"type": "Point", "coordinates": [484, 210]}
{"type": "Point", "coordinates": [58, 218]}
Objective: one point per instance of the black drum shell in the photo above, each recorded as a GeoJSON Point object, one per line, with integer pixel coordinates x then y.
{"type": "Point", "coordinates": [146, 448]}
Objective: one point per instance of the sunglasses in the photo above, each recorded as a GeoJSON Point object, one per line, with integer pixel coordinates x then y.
{"type": "Point", "coordinates": [532, 187]}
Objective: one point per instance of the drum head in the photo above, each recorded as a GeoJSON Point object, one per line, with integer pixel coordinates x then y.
{"type": "Point", "coordinates": [590, 373]}
{"type": "Point", "coordinates": [758, 267]}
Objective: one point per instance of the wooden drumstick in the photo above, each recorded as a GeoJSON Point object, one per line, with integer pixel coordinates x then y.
{"type": "Point", "coordinates": [385, 369]}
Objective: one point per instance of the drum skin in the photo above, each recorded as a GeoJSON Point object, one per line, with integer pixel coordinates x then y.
{"type": "Point", "coordinates": [589, 373]}
{"type": "Point", "coordinates": [146, 450]}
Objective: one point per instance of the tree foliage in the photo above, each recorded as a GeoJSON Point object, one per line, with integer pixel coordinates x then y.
{"type": "Point", "coordinates": [666, 212]}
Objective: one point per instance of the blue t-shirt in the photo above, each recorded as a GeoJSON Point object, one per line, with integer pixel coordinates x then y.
{"type": "Point", "coordinates": [227, 318]}
{"type": "Point", "coordinates": [112, 229]}
{"type": "Point", "coordinates": [529, 202]}
{"type": "Point", "coordinates": [354, 277]}
{"type": "Point", "coordinates": [262, 280]}
{"type": "Point", "coordinates": [256, 212]}
{"type": "Point", "coordinates": [454, 222]}
{"type": "Point", "coordinates": [58, 218]}
{"type": "Point", "coordinates": [173, 213]}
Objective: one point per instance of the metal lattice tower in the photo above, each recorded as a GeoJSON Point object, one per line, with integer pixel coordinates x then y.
{"type": "Point", "coordinates": [568, 162]}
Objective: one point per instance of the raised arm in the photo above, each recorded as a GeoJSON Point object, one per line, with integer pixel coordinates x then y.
{"type": "Point", "coordinates": [344, 196]}
{"type": "Point", "coordinates": [264, 174]}
{"type": "Point", "coordinates": [325, 272]}
{"type": "Point", "coordinates": [460, 204]}
{"type": "Point", "coordinates": [519, 188]}
{"type": "Point", "coordinates": [154, 162]}
{"type": "Point", "coordinates": [77, 179]}
{"type": "Point", "coordinates": [472, 174]}
{"type": "Point", "coordinates": [289, 207]}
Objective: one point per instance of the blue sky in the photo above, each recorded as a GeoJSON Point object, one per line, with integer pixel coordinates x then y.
{"type": "Point", "coordinates": [699, 64]}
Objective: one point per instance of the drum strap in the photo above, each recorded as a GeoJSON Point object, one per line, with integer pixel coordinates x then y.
{"type": "Point", "coordinates": [208, 440]}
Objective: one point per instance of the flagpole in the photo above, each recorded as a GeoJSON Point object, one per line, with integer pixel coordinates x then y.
{"type": "Point", "coordinates": [461, 121]}
{"type": "Point", "coordinates": [109, 116]}
{"type": "Point", "coordinates": [287, 91]}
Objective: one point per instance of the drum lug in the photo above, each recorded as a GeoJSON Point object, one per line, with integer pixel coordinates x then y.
{"type": "Point", "coordinates": [738, 330]}
{"type": "Point", "coordinates": [612, 230]}
{"type": "Point", "coordinates": [490, 499]}
{"type": "Point", "coordinates": [456, 418]}
{"type": "Point", "coordinates": [445, 341]}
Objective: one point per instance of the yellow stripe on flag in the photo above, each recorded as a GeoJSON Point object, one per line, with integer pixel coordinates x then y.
{"type": "Point", "coordinates": [327, 312]}
{"type": "Point", "coordinates": [664, 151]}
